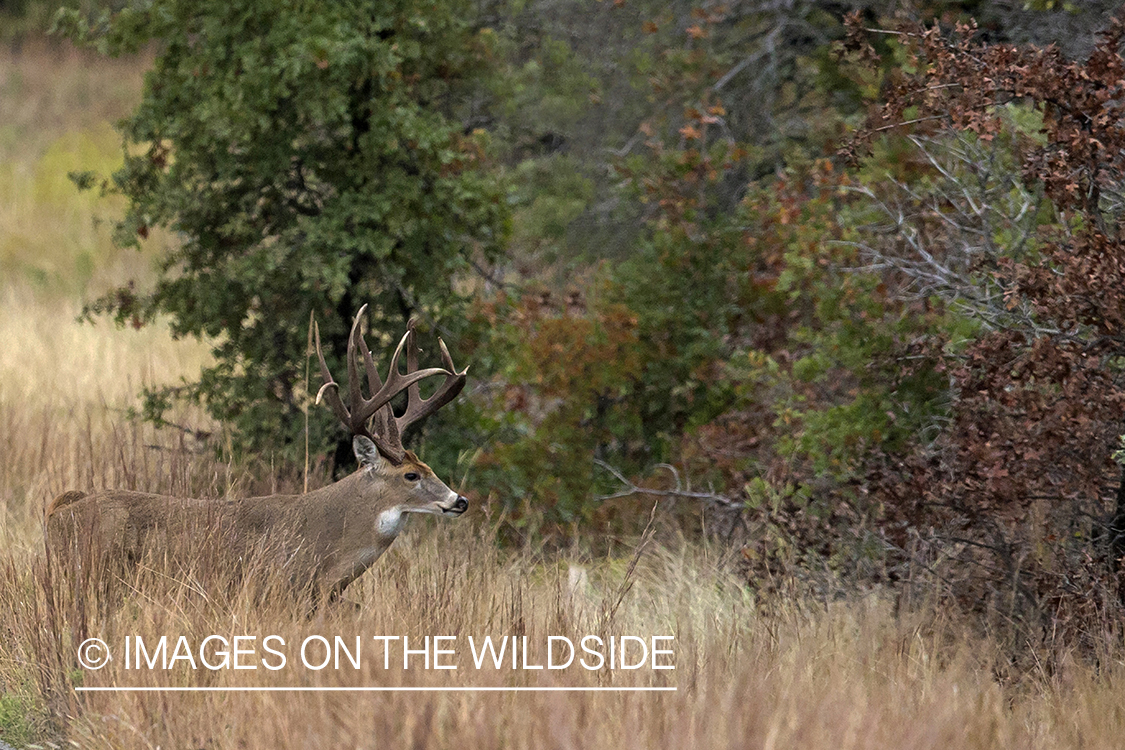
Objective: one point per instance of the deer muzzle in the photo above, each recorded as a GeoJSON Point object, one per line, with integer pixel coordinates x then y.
{"type": "Point", "coordinates": [460, 505]}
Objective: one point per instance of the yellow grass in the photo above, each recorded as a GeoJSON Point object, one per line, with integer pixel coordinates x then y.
{"type": "Point", "coordinates": [850, 674]}
{"type": "Point", "coordinates": [65, 387]}
{"type": "Point", "coordinates": [58, 107]}
{"type": "Point", "coordinates": [59, 378]}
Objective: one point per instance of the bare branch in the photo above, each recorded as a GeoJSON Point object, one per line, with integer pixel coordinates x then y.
{"type": "Point", "coordinates": [634, 489]}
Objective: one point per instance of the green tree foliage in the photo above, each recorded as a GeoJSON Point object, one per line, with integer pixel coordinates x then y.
{"type": "Point", "coordinates": [308, 158]}
{"type": "Point", "coordinates": [618, 366]}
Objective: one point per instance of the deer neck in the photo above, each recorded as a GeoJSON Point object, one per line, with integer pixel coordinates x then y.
{"type": "Point", "coordinates": [367, 504]}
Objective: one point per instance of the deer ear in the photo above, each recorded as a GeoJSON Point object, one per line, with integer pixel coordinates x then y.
{"type": "Point", "coordinates": [366, 452]}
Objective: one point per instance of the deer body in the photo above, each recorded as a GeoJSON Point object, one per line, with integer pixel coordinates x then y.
{"type": "Point", "coordinates": [322, 540]}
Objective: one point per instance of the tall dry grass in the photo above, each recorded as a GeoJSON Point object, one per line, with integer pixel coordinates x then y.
{"type": "Point", "coordinates": [847, 675]}
{"type": "Point", "coordinates": [65, 388]}
{"type": "Point", "coordinates": [852, 674]}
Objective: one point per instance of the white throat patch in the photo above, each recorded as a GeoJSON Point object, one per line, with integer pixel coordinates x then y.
{"type": "Point", "coordinates": [389, 522]}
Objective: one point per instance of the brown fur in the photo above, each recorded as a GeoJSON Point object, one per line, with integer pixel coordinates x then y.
{"type": "Point", "coordinates": [324, 539]}
{"type": "Point", "coordinates": [65, 498]}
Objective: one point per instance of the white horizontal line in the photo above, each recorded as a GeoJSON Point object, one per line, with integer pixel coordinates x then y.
{"type": "Point", "coordinates": [330, 689]}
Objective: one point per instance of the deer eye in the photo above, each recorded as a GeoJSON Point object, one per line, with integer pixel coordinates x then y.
{"type": "Point", "coordinates": [410, 476]}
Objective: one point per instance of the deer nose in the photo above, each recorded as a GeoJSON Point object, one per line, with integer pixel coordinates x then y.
{"type": "Point", "coordinates": [461, 504]}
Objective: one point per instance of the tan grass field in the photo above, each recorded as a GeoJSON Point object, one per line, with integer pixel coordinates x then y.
{"type": "Point", "coordinates": [796, 674]}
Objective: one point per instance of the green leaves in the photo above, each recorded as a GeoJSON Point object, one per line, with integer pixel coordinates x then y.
{"type": "Point", "coordinates": [306, 158]}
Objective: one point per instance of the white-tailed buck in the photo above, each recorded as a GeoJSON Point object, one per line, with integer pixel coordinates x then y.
{"type": "Point", "coordinates": [322, 540]}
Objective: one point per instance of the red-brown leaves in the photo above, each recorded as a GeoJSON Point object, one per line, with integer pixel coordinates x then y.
{"type": "Point", "coordinates": [1037, 405]}
{"type": "Point", "coordinates": [958, 82]}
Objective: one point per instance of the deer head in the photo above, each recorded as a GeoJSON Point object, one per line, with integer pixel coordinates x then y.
{"type": "Point", "coordinates": [377, 431]}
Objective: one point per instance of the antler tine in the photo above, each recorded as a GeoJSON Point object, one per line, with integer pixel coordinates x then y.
{"type": "Point", "coordinates": [355, 390]}
{"type": "Point", "coordinates": [411, 360]}
{"type": "Point", "coordinates": [330, 391]}
{"type": "Point", "coordinates": [447, 360]}
{"type": "Point", "coordinates": [374, 382]}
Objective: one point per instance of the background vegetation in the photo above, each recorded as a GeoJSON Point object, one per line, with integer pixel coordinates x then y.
{"type": "Point", "coordinates": [836, 286]}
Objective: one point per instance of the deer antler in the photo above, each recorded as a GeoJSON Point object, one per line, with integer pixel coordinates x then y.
{"type": "Point", "coordinates": [388, 429]}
